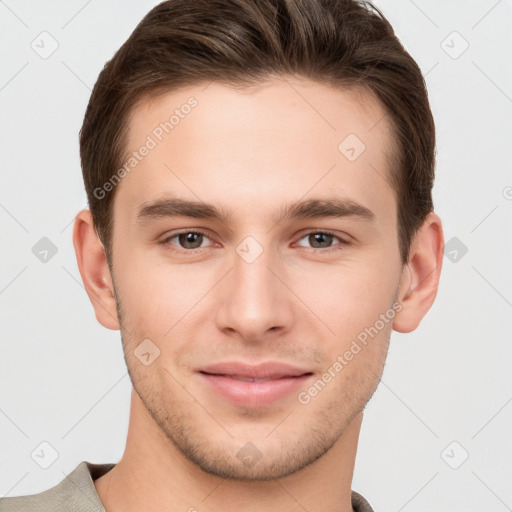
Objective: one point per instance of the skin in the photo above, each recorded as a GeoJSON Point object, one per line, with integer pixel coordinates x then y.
{"type": "Point", "coordinates": [250, 153]}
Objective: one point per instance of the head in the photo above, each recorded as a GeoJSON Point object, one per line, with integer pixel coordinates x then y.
{"type": "Point", "coordinates": [302, 134]}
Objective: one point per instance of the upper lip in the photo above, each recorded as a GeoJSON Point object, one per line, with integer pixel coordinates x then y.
{"type": "Point", "coordinates": [267, 370]}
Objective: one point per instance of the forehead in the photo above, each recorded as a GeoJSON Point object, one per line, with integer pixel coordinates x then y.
{"type": "Point", "coordinates": [271, 144]}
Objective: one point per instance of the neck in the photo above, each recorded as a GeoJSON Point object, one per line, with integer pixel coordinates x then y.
{"type": "Point", "coordinates": [153, 475]}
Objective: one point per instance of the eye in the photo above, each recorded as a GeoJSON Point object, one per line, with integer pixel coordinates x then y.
{"type": "Point", "coordinates": [187, 240]}
{"type": "Point", "coordinates": [322, 240]}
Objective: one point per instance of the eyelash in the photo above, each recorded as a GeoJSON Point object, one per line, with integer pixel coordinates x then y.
{"type": "Point", "coordinates": [343, 242]}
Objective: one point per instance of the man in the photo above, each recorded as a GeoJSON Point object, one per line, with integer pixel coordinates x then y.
{"type": "Point", "coordinates": [259, 176]}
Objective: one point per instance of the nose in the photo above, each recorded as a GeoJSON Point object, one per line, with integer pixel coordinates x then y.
{"type": "Point", "coordinates": [254, 300]}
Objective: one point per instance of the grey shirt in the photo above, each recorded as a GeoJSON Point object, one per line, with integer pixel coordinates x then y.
{"type": "Point", "coordinates": [76, 493]}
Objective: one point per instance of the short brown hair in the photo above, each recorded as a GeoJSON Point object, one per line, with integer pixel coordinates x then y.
{"type": "Point", "coordinates": [344, 43]}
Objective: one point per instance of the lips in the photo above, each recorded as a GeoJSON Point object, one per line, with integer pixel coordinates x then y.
{"type": "Point", "coordinates": [246, 379]}
{"type": "Point", "coordinates": [263, 371]}
{"type": "Point", "coordinates": [253, 385]}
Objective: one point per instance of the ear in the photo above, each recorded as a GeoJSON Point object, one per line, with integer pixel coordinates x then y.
{"type": "Point", "coordinates": [420, 277]}
{"type": "Point", "coordinates": [93, 266]}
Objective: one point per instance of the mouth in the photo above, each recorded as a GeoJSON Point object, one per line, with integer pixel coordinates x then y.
{"type": "Point", "coordinates": [250, 379]}
{"type": "Point", "coordinates": [254, 385]}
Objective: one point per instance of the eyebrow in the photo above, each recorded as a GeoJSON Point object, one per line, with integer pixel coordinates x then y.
{"type": "Point", "coordinates": [307, 209]}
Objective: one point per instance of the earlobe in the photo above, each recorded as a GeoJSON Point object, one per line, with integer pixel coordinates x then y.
{"type": "Point", "coordinates": [420, 278]}
{"type": "Point", "coordinates": [93, 267]}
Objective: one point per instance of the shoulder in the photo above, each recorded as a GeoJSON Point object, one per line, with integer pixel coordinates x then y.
{"type": "Point", "coordinates": [360, 504]}
{"type": "Point", "coordinates": [75, 493]}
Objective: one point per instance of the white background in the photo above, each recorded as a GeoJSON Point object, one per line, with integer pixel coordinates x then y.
{"type": "Point", "coordinates": [63, 378]}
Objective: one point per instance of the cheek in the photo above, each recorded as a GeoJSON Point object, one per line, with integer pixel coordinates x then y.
{"type": "Point", "coordinates": [348, 296]}
{"type": "Point", "coordinates": [156, 294]}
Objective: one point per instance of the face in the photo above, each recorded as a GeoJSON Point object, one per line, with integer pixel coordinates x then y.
{"type": "Point", "coordinates": [255, 322]}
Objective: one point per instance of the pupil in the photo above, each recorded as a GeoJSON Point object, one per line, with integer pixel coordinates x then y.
{"type": "Point", "coordinates": [189, 238]}
{"type": "Point", "coordinates": [318, 237]}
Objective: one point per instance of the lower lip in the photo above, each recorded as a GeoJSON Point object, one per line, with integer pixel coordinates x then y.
{"type": "Point", "coordinates": [254, 394]}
